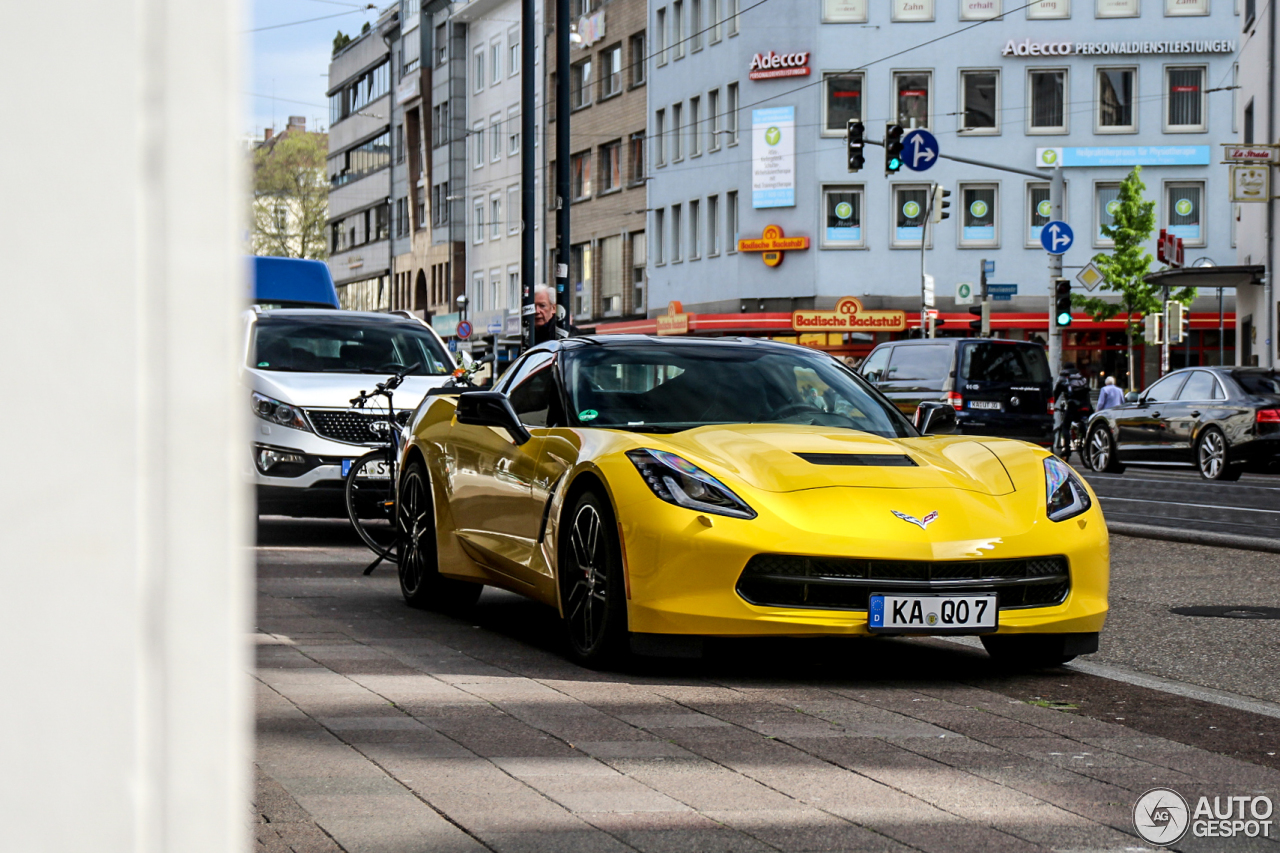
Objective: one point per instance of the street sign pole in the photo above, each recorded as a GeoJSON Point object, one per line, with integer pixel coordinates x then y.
{"type": "Point", "coordinates": [528, 169]}
{"type": "Point", "coordinates": [1056, 188]}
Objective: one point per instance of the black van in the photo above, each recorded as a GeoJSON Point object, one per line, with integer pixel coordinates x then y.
{"type": "Point", "coordinates": [997, 387]}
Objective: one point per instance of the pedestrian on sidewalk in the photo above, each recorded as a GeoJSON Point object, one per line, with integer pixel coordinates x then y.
{"type": "Point", "coordinates": [1111, 396]}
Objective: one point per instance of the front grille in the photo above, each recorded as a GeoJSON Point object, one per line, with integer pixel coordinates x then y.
{"type": "Point", "coordinates": [839, 583]}
{"type": "Point", "coordinates": [349, 426]}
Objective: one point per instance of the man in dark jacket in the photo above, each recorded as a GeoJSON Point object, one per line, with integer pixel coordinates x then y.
{"type": "Point", "coordinates": [544, 308]}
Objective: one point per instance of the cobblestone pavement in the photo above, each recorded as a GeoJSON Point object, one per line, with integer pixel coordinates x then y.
{"type": "Point", "coordinates": [382, 728]}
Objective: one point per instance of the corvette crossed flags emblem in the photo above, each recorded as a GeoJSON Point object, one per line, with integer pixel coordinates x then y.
{"type": "Point", "coordinates": [922, 523]}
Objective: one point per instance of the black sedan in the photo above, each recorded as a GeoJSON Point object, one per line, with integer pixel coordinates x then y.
{"type": "Point", "coordinates": [1222, 420]}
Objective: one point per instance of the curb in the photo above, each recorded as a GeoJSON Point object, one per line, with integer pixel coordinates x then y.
{"type": "Point", "coordinates": [1196, 537]}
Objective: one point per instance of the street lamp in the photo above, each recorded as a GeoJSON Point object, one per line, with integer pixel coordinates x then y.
{"type": "Point", "coordinates": [462, 305]}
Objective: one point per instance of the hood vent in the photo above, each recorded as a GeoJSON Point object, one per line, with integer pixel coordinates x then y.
{"type": "Point", "coordinates": [869, 460]}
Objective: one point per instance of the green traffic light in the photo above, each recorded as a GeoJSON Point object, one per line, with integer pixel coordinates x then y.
{"type": "Point", "coordinates": [895, 163]}
{"type": "Point", "coordinates": [1064, 319]}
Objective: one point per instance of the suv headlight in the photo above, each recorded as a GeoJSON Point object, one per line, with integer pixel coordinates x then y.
{"type": "Point", "coordinates": [680, 482]}
{"type": "Point", "coordinates": [279, 413]}
{"type": "Point", "coordinates": [1066, 497]}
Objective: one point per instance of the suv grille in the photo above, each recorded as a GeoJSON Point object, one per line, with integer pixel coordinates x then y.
{"type": "Point", "coordinates": [836, 583]}
{"type": "Point", "coordinates": [348, 426]}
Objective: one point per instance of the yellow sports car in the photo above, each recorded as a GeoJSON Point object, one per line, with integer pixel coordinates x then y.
{"type": "Point", "coordinates": [658, 491]}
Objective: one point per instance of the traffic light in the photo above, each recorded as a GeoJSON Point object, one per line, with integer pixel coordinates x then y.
{"type": "Point", "coordinates": [1177, 321]}
{"type": "Point", "coordinates": [1062, 301]}
{"type": "Point", "coordinates": [982, 325]}
{"type": "Point", "coordinates": [940, 203]}
{"type": "Point", "coordinates": [1151, 329]}
{"type": "Point", "coordinates": [853, 138]}
{"type": "Point", "coordinates": [892, 148]}
{"type": "Point", "coordinates": [935, 323]}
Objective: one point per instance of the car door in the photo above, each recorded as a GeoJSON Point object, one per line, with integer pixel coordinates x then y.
{"type": "Point", "coordinates": [1195, 400]}
{"type": "Point", "coordinates": [916, 373]}
{"type": "Point", "coordinates": [1141, 427]}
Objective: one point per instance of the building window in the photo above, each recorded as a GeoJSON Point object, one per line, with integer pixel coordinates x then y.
{"type": "Point", "coordinates": [911, 93]}
{"type": "Point", "coordinates": [979, 10]}
{"type": "Point", "coordinates": [442, 44]}
{"type": "Point", "coordinates": [1179, 8]}
{"type": "Point", "coordinates": [714, 12]}
{"type": "Point", "coordinates": [980, 102]}
{"type": "Point", "coordinates": [731, 15]}
{"type": "Point", "coordinates": [1248, 123]}
{"type": "Point", "coordinates": [731, 220]}
{"type": "Point", "coordinates": [675, 234]}
{"type": "Point", "coordinates": [513, 287]}
{"type": "Point", "coordinates": [979, 209]}
{"type": "Point", "coordinates": [638, 58]}
{"type": "Point", "coordinates": [495, 63]}
{"type": "Point", "coordinates": [660, 27]}
{"type": "Point", "coordinates": [1117, 8]}
{"type": "Point", "coordinates": [611, 281]}
{"type": "Point", "coordinates": [677, 29]}
{"type": "Point", "coordinates": [713, 226]}
{"type": "Point", "coordinates": [611, 71]}
{"type": "Point", "coordinates": [477, 144]}
{"type": "Point", "coordinates": [1047, 93]}
{"type": "Point", "coordinates": [1045, 9]}
{"type": "Point", "coordinates": [495, 137]}
{"type": "Point", "coordinates": [695, 25]}
{"type": "Point", "coordinates": [513, 51]}
{"type": "Point", "coordinates": [1116, 88]}
{"type": "Point", "coordinates": [677, 146]}
{"type": "Point", "coordinates": [843, 209]}
{"type": "Point", "coordinates": [1250, 12]}
{"type": "Point", "coordinates": [1184, 92]}
{"type": "Point", "coordinates": [399, 143]}
{"type": "Point", "coordinates": [477, 291]}
{"type": "Point", "coordinates": [912, 10]}
{"type": "Point", "coordinates": [402, 217]}
{"type": "Point", "coordinates": [1106, 200]}
{"type": "Point", "coordinates": [638, 260]}
{"type": "Point", "coordinates": [844, 11]}
{"type": "Point", "coordinates": [843, 102]}
{"type": "Point", "coordinates": [363, 159]}
{"type": "Point", "coordinates": [1039, 212]}
{"type": "Point", "coordinates": [713, 117]}
{"type": "Point", "coordinates": [580, 84]}
{"type": "Point", "coordinates": [420, 203]}
{"type": "Point", "coordinates": [908, 214]}
{"type": "Point", "coordinates": [695, 129]}
{"type": "Point", "coordinates": [580, 175]}
{"type": "Point", "coordinates": [513, 131]}
{"type": "Point", "coordinates": [495, 216]}
{"type": "Point", "coordinates": [660, 128]}
{"type": "Point", "coordinates": [731, 113]}
{"type": "Point", "coordinates": [611, 166]}
{"type": "Point", "coordinates": [695, 230]}
{"type": "Point", "coordinates": [659, 236]}
{"type": "Point", "coordinates": [1183, 211]}
{"type": "Point", "coordinates": [580, 270]}
{"type": "Point", "coordinates": [637, 157]}
{"type": "Point", "coordinates": [477, 70]}
{"type": "Point", "coordinates": [513, 205]}
{"type": "Point", "coordinates": [477, 235]}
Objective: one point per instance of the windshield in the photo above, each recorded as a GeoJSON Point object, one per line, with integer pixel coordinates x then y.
{"type": "Point", "coordinates": [1258, 382]}
{"type": "Point", "coordinates": [315, 346]}
{"type": "Point", "coordinates": [671, 388]}
{"type": "Point", "coordinates": [1004, 363]}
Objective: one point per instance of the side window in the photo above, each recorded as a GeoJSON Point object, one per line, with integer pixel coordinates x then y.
{"type": "Point", "coordinates": [928, 362]}
{"type": "Point", "coordinates": [873, 367]}
{"type": "Point", "coordinates": [518, 371]}
{"type": "Point", "coordinates": [533, 398]}
{"type": "Point", "coordinates": [1164, 390]}
{"type": "Point", "coordinates": [1200, 386]}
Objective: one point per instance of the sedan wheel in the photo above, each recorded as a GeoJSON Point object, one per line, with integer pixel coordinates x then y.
{"type": "Point", "coordinates": [591, 587]}
{"type": "Point", "coordinates": [1100, 451]}
{"type": "Point", "coordinates": [1212, 456]}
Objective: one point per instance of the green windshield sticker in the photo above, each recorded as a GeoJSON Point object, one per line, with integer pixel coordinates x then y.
{"type": "Point", "coordinates": [264, 364]}
{"type": "Point", "coordinates": [588, 415]}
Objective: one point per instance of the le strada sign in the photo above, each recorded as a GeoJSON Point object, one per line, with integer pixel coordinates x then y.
{"type": "Point", "coordinates": [772, 243]}
{"type": "Point", "coordinates": [849, 316]}
{"type": "Point", "coordinates": [1250, 153]}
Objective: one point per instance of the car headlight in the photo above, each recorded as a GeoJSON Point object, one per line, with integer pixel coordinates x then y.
{"type": "Point", "coordinates": [279, 413]}
{"type": "Point", "coordinates": [1066, 496]}
{"type": "Point", "coordinates": [680, 482]}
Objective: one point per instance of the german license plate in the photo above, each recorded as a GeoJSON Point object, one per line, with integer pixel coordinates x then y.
{"type": "Point", "coordinates": [932, 614]}
{"type": "Point", "coordinates": [994, 405]}
{"type": "Point", "coordinates": [375, 471]}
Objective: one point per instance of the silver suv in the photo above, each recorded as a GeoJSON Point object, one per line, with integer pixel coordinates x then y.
{"type": "Point", "coordinates": [301, 369]}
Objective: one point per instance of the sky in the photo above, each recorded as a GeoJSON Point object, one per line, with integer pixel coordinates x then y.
{"type": "Point", "coordinates": [291, 63]}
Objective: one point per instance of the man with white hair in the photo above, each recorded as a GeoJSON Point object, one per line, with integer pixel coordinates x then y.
{"type": "Point", "coordinates": [544, 308]}
{"type": "Point", "coordinates": [1111, 396]}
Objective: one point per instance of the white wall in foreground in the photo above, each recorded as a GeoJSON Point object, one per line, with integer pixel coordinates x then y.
{"type": "Point", "coordinates": [124, 583]}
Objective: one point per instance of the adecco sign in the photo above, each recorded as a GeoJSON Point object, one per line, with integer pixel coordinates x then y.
{"type": "Point", "coordinates": [768, 65]}
{"type": "Point", "coordinates": [1027, 47]}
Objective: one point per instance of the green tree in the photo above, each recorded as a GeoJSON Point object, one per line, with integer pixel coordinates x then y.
{"type": "Point", "coordinates": [291, 196]}
{"type": "Point", "coordinates": [1125, 267]}
{"type": "Point", "coordinates": [340, 41]}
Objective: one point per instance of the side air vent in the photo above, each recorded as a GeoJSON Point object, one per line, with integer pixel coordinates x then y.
{"type": "Point", "coordinates": [870, 460]}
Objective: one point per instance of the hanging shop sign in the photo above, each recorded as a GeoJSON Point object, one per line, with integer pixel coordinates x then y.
{"type": "Point", "coordinates": [1027, 47]}
{"type": "Point", "coordinates": [765, 66]}
{"type": "Point", "coordinates": [675, 321]}
{"type": "Point", "coordinates": [849, 316]}
{"type": "Point", "coordinates": [1232, 153]}
{"type": "Point", "coordinates": [1250, 183]}
{"type": "Point", "coordinates": [772, 243]}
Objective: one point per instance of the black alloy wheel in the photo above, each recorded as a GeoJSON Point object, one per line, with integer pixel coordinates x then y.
{"type": "Point", "coordinates": [1213, 456]}
{"type": "Point", "coordinates": [591, 584]}
{"type": "Point", "coordinates": [421, 583]}
{"type": "Point", "coordinates": [1100, 451]}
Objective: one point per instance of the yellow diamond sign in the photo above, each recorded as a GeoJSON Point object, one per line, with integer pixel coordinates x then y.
{"type": "Point", "coordinates": [1090, 277]}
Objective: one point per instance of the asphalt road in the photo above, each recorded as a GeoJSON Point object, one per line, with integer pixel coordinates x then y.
{"type": "Point", "coordinates": [1248, 507]}
{"type": "Point", "coordinates": [389, 729]}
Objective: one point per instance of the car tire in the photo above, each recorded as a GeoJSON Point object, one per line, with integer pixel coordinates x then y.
{"type": "Point", "coordinates": [421, 583]}
{"type": "Point", "coordinates": [1213, 456]}
{"type": "Point", "coordinates": [1028, 651]}
{"type": "Point", "coordinates": [592, 590]}
{"type": "Point", "coordinates": [1099, 451]}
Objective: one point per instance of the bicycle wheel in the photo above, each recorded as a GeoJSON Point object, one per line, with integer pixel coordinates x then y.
{"type": "Point", "coordinates": [371, 496]}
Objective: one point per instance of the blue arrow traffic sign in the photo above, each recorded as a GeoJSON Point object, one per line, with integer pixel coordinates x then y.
{"type": "Point", "coordinates": [1057, 237]}
{"type": "Point", "coordinates": [919, 150]}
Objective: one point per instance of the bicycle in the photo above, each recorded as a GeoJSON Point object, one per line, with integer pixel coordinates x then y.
{"type": "Point", "coordinates": [1068, 437]}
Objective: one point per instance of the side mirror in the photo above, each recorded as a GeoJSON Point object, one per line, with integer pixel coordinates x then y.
{"type": "Point", "coordinates": [934, 418]}
{"type": "Point", "coordinates": [491, 409]}
{"type": "Point", "coordinates": [1132, 397]}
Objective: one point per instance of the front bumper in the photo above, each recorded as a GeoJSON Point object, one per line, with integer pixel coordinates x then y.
{"type": "Point", "coordinates": [682, 573]}
{"type": "Point", "coordinates": [313, 488]}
